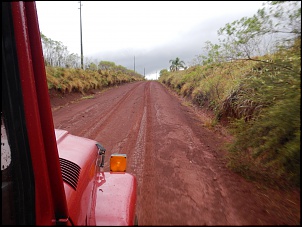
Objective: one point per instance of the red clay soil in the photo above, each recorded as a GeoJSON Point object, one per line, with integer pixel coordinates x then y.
{"type": "Point", "coordinates": [178, 161]}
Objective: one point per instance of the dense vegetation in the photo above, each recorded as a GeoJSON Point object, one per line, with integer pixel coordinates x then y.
{"type": "Point", "coordinates": [252, 79]}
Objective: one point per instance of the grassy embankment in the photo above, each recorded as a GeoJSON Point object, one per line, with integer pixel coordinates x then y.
{"type": "Point", "coordinates": [67, 80]}
{"type": "Point", "coordinates": [261, 101]}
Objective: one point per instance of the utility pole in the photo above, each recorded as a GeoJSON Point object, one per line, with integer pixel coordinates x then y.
{"type": "Point", "coordinates": [81, 36]}
{"type": "Point", "coordinates": [134, 63]}
{"type": "Point", "coordinates": [144, 73]}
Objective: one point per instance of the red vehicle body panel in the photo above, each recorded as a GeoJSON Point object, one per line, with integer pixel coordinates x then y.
{"type": "Point", "coordinates": [115, 199]}
{"type": "Point", "coordinates": [70, 188]}
{"type": "Point", "coordinates": [108, 197]}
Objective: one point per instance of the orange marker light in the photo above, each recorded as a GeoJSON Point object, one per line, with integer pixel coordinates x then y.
{"type": "Point", "coordinates": [118, 162]}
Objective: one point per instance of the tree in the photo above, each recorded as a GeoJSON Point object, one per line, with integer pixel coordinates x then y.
{"type": "Point", "coordinates": [277, 25]}
{"type": "Point", "coordinates": [106, 65]}
{"type": "Point", "coordinates": [56, 54]}
{"type": "Point", "coordinates": [177, 64]}
{"type": "Point", "coordinates": [92, 66]}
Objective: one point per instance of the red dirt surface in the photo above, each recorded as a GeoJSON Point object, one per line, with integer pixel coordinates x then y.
{"type": "Point", "coordinates": [178, 161]}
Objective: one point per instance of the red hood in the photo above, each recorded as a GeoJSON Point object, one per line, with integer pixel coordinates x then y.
{"type": "Point", "coordinates": [78, 164]}
{"type": "Point", "coordinates": [106, 199]}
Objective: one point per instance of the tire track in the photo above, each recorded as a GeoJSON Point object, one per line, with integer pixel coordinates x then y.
{"type": "Point", "coordinates": [83, 117]}
{"type": "Point", "coordinates": [140, 145]}
{"type": "Point", "coordinates": [91, 132]}
{"type": "Point", "coordinates": [133, 142]}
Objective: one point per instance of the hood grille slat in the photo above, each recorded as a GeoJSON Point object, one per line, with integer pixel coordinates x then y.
{"type": "Point", "coordinates": [70, 172]}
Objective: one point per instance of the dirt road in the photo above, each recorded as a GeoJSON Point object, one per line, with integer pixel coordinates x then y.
{"type": "Point", "coordinates": [182, 176]}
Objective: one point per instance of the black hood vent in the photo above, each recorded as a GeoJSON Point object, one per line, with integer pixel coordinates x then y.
{"type": "Point", "coordinates": [70, 172]}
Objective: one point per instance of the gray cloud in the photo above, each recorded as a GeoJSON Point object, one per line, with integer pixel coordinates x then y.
{"type": "Point", "coordinates": [186, 46]}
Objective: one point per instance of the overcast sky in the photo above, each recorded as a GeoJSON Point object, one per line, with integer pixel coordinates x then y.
{"type": "Point", "coordinates": [146, 34]}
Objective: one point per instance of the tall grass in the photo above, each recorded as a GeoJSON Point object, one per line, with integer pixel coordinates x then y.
{"type": "Point", "coordinates": [261, 101]}
{"type": "Point", "coordinates": [68, 80]}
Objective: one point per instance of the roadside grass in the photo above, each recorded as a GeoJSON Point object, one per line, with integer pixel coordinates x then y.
{"type": "Point", "coordinates": [88, 97]}
{"type": "Point", "coordinates": [261, 102]}
{"type": "Point", "coordinates": [66, 80]}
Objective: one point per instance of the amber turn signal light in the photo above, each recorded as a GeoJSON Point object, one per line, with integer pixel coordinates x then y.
{"type": "Point", "coordinates": [118, 162]}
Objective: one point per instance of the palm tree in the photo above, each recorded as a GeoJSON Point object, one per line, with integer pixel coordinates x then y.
{"type": "Point", "coordinates": [177, 64]}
